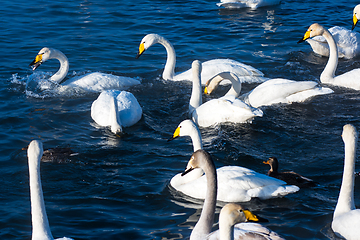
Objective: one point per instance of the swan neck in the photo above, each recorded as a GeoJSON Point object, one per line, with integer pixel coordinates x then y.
{"type": "Point", "coordinates": [114, 117]}
{"type": "Point", "coordinates": [196, 139]}
{"type": "Point", "coordinates": [169, 69]}
{"type": "Point", "coordinates": [64, 65]}
{"type": "Point", "coordinates": [204, 225]}
{"type": "Point", "coordinates": [328, 74]}
{"type": "Point", "coordinates": [235, 86]}
{"type": "Point", "coordinates": [196, 97]}
{"type": "Point", "coordinates": [226, 231]}
{"type": "Point", "coordinates": [40, 223]}
{"type": "Point", "coordinates": [346, 196]}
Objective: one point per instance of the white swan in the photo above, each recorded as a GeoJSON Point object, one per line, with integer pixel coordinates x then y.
{"type": "Point", "coordinates": [356, 16]}
{"type": "Point", "coordinates": [347, 41]}
{"type": "Point", "coordinates": [236, 184]}
{"type": "Point", "coordinates": [202, 229]}
{"type": "Point", "coordinates": [215, 111]}
{"type": "Point", "coordinates": [275, 91]}
{"type": "Point", "coordinates": [346, 219]}
{"type": "Point", "coordinates": [116, 108]}
{"type": "Point", "coordinates": [210, 68]}
{"type": "Point", "coordinates": [233, 213]}
{"type": "Point", "coordinates": [40, 224]}
{"type": "Point", "coordinates": [95, 82]}
{"type": "Point", "coordinates": [349, 79]}
{"type": "Point", "coordinates": [253, 4]}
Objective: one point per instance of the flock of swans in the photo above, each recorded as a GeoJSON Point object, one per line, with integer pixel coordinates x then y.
{"type": "Point", "coordinates": [117, 109]}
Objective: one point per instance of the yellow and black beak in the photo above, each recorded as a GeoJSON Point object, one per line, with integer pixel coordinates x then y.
{"type": "Point", "coordinates": [306, 36]}
{"type": "Point", "coordinates": [141, 50]}
{"type": "Point", "coordinates": [37, 62]}
{"type": "Point", "coordinates": [175, 135]}
{"type": "Point", "coordinates": [250, 217]}
{"type": "Point", "coordinates": [355, 21]}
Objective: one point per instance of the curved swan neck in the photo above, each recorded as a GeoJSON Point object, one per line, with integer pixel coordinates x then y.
{"type": "Point", "coordinates": [346, 195]}
{"type": "Point", "coordinates": [169, 69]}
{"type": "Point", "coordinates": [226, 231]}
{"type": "Point", "coordinates": [196, 138]}
{"type": "Point", "coordinates": [204, 225]}
{"type": "Point", "coordinates": [329, 71]}
{"type": "Point", "coordinates": [235, 86]}
{"type": "Point", "coordinates": [64, 65]}
{"type": "Point", "coordinates": [196, 97]}
{"type": "Point", "coordinates": [114, 117]}
{"type": "Point", "coordinates": [40, 223]}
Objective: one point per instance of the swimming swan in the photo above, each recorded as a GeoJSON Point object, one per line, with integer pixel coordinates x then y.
{"type": "Point", "coordinates": [236, 184]}
{"type": "Point", "coordinates": [288, 177]}
{"type": "Point", "coordinates": [246, 228]}
{"type": "Point", "coordinates": [40, 224]}
{"type": "Point", "coordinates": [215, 111]}
{"type": "Point", "coordinates": [210, 68]}
{"type": "Point", "coordinates": [356, 16]}
{"type": "Point", "coordinates": [347, 41]}
{"type": "Point", "coordinates": [349, 79]}
{"type": "Point", "coordinates": [96, 81]}
{"type": "Point", "coordinates": [253, 4]}
{"type": "Point", "coordinates": [201, 159]}
{"type": "Point", "coordinates": [346, 219]}
{"type": "Point", "coordinates": [116, 108]}
{"type": "Point", "coordinates": [274, 91]}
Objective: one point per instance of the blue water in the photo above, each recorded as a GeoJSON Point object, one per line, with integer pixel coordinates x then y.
{"type": "Point", "coordinates": [117, 188]}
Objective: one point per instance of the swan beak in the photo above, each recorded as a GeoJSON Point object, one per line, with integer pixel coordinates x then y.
{"type": "Point", "coordinates": [355, 20]}
{"type": "Point", "coordinates": [141, 50]}
{"type": "Point", "coordinates": [206, 91]}
{"type": "Point", "coordinates": [250, 217]}
{"type": "Point", "coordinates": [37, 62]}
{"type": "Point", "coordinates": [306, 36]}
{"type": "Point", "coordinates": [267, 162]}
{"type": "Point", "coordinates": [189, 166]}
{"type": "Point", "coordinates": [175, 135]}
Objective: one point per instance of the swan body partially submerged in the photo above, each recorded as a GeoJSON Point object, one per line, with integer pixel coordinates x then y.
{"type": "Point", "coordinates": [235, 184]}
{"type": "Point", "coordinates": [94, 82]}
{"type": "Point", "coordinates": [253, 4]}
{"type": "Point", "coordinates": [116, 109]}
{"type": "Point", "coordinates": [221, 110]}
{"type": "Point", "coordinates": [210, 68]}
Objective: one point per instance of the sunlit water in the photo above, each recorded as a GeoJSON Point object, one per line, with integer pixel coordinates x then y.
{"type": "Point", "coordinates": [118, 188]}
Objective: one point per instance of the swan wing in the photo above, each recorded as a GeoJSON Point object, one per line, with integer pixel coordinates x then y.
{"type": "Point", "coordinates": [129, 109]}
{"type": "Point", "coordinates": [97, 82]}
{"type": "Point", "coordinates": [254, 4]}
{"type": "Point", "coordinates": [211, 68]}
{"type": "Point", "coordinates": [349, 79]}
{"type": "Point", "coordinates": [225, 109]}
{"type": "Point", "coordinates": [283, 91]}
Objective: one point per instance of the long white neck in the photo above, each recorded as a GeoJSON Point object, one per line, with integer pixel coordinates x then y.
{"type": "Point", "coordinates": [196, 139]}
{"type": "Point", "coordinates": [40, 223]}
{"type": "Point", "coordinates": [226, 230]}
{"type": "Point", "coordinates": [328, 74]}
{"type": "Point", "coordinates": [114, 117]}
{"type": "Point", "coordinates": [346, 196]}
{"type": "Point", "coordinates": [64, 65]}
{"type": "Point", "coordinates": [204, 225]}
{"type": "Point", "coordinates": [196, 97]}
{"type": "Point", "coordinates": [169, 69]}
{"type": "Point", "coordinates": [235, 86]}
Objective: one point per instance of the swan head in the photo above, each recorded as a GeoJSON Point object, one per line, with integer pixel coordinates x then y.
{"type": "Point", "coordinates": [314, 30]}
{"type": "Point", "coordinates": [233, 213]}
{"type": "Point", "coordinates": [349, 133]}
{"type": "Point", "coordinates": [212, 84]}
{"type": "Point", "coordinates": [185, 128]}
{"type": "Point", "coordinates": [35, 148]}
{"type": "Point", "coordinates": [274, 164]}
{"type": "Point", "coordinates": [197, 160]}
{"type": "Point", "coordinates": [356, 16]}
{"type": "Point", "coordinates": [43, 55]}
{"type": "Point", "coordinates": [147, 42]}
